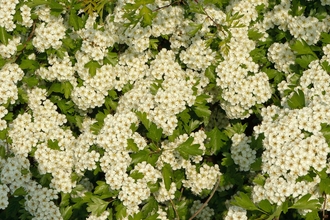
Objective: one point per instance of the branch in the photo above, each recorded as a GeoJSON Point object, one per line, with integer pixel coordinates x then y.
{"type": "Point", "coordinates": [205, 203]}
{"type": "Point", "coordinates": [28, 39]}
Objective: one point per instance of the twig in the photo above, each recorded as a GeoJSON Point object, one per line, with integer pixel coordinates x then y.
{"type": "Point", "coordinates": [165, 6]}
{"type": "Point", "coordinates": [176, 212]}
{"type": "Point", "coordinates": [28, 39]}
{"type": "Point", "coordinates": [324, 216]}
{"type": "Point", "coordinates": [219, 27]}
{"type": "Point", "coordinates": [181, 194]}
{"type": "Point", "coordinates": [205, 203]}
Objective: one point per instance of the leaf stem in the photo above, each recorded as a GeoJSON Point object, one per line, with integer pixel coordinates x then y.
{"type": "Point", "coordinates": [176, 212]}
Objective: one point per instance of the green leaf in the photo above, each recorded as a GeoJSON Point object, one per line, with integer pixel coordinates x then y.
{"type": "Point", "coordinates": [154, 133]}
{"type": "Point", "coordinates": [302, 48]}
{"type": "Point", "coordinates": [137, 216]}
{"type": "Point", "coordinates": [66, 88]}
{"type": "Point", "coordinates": [244, 201]}
{"type": "Point", "coordinates": [305, 203]}
{"type": "Point", "coordinates": [153, 44]}
{"type": "Point", "coordinates": [312, 215]}
{"type": "Point", "coordinates": [4, 134]}
{"type": "Point", "coordinates": [259, 179]}
{"type": "Point", "coordinates": [257, 143]}
{"type": "Point", "coordinates": [4, 36]}
{"type": "Point", "coordinates": [2, 152]}
{"type": "Point", "coordinates": [305, 60]}
{"type": "Point", "coordinates": [132, 146]}
{"type": "Point", "coordinates": [186, 149]}
{"type": "Point", "coordinates": [235, 128]}
{"type": "Point", "coordinates": [20, 192]}
{"type": "Point", "coordinates": [256, 165]}
{"type": "Point", "coordinates": [297, 100]}
{"type": "Point", "coordinates": [55, 87]}
{"type": "Point", "coordinates": [101, 188]}
{"type": "Point", "coordinates": [150, 206]}
{"type": "Point", "coordinates": [155, 87]}
{"type": "Point", "coordinates": [97, 206]}
{"type": "Point", "coordinates": [227, 161]}
{"type": "Point", "coordinates": [184, 116]}
{"type": "Point", "coordinates": [136, 175]}
{"type": "Point", "coordinates": [201, 100]}
{"type": "Point", "coordinates": [167, 173]}
{"type": "Point", "coordinates": [277, 212]}
{"type": "Point", "coordinates": [325, 65]}
{"type": "Point", "coordinates": [96, 127]}
{"type": "Point", "coordinates": [195, 28]}
{"type": "Point", "coordinates": [31, 81]}
{"type": "Point", "coordinates": [66, 212]}
{"type": "Point", "coordinates": [53, 144]}
{"type": "Point", "coordinates": [147, 15]}
{"type": "Point", "coordinates": [182, 208]}
{"type": "Point", "coordinates": [265, 205]}
{"type": "Point", "coordinates": [210, 73]}
{"type": "Point", "coordinates": [217, 140]}
{"type": "Point", "coordinates": [324, 185]}
{"type": "Point", "coordinates": [140, 156]}
{"type": "Point", "coordinates": [120, 210]}
{"type": "Point", "coordinates": [152, 217]}
{"type": "Point", "coordinates": [285, 206]}
{"type": "Point", "coordinates": [193, 124]}
{"type": "Point", "coordinates": [65, 106]}
{"type": "Point", "coordinates": [9, 116]}
{"type": "Point", "coordinates": [73, 20]}
{"type": "Point", "coordinates": [100, 116]}
{"type": "Point", "coordinates": [2, 62]}
{"type": "Point", "coordinates": [93, 66]}
{"type": "Point", "coordinates": [143, 118]}
{"type": "Point", "coordinates": [325, 38]}
{"type": "Point", "coordinates": [253, 34]}
{"type": "Point", "coordinates": [297, 9]}
{"type": "Point", "coordinates": [153, 158]}
{"type": "Point", "coordinates": [111, 58]}
{"type": "Point", "coordinates": [325, 129]}
{"type": "Point", "coordinates": [154, 187]}
{"type": "Point", "coordinates": [65, 199]}
{"type": "Point", "coordinates": [29, 64]}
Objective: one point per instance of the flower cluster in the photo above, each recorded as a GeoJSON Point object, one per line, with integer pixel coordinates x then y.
{"type": "Point", "coordinates": [10, 74]}
{"type": "Point", "coordinates": [59, 69]}
{"type": "Point", "coordinates": [3, 196]}
{"type": "Point", "coordinates": [49, 33]}
{"type": "Point", "coordinates": [307, 28]}
{"type": "Point", "coordinates": [293, 145]}
{"type": "Point", "coordinates": [127, 91]}
{"type": "Point", "coordinates": [242, 83]}
{"type": "Point", "coordinates": [39, 202]}
{"type": "Point", "coordinates": [3, 112]}
{"type": "Point", "coordinates": [174, 94]}
{"type": "Point", "coordinates": [6, 51]}
{"type": "Point", "coordinates": [133, 193]}
{"type": "Point", "coordinates": [103, 216]}
{"type": "Point", "coordinates": [197, 56]}
{"type": "Point", "coordinates": [282, 56]}
{"type": "Point", "coordinates": [241, 152]}
{"type": "Point", "coordinates": [26, 16]}
{"type": "Point", "coordinates": [235, 212]}
{"type": "Point", "coordinates": [95, 42]}
{"type": "Point", "coordinates": [7, 11]}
